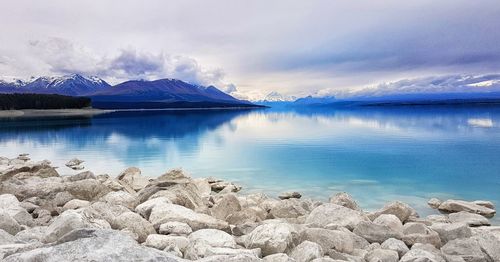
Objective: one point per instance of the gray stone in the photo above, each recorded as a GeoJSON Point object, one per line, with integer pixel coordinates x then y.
{"type": "Point", "coordinates": [272, 238]}
{"type": "Point", "coordinates": [162, 241]}
{"type": "Point", "coordinates": [382, 255]}
{"type": "Point", "coordinates": [334, 214]}
{"type": "Point", "coordinates": [469, 219]}
{"type": "Point", "coordinates": [225, 206]}
{"type": "Point", "coordinates": [76, 204]}
{"type": "Point", "coordinates": [452, 231]}
{"type": "Point", "coordinates": [395, 245]}
{"type": "Point", "coordinates": [345, 200]}
{"type": "Point", "coordinates": [375, 232]}
{"type": "Point", "coordinates": [329, 239]}
{"type": "Point", "coordinates": [289, 208]}
{"type": "Point", "coordinates": [306, 252]}
{"type": "Point", "coordinates": [420, 233]}
{"type": "Point", "coordinates": [12, 206]}
{"type": "Point", "coordinates": [278, 257]}
{"type": "Point", "coordinates": [175, 228]}
{"type": "Point", "coordinates": [8, 224]}
{"type": "Point", "coordinates": [288, 195]}
{"type": "Point", "coordinates": [434, 203]}
{"type": "Point", "coordinates": [145, 208]}
{"type": "Point", "coordinates": [213, 237]}
{"type": "Point", "coordinates": [163, 213]}
{"type": "Point", "coordinates": [133, 178]}
{"type": "Point", "coordinates": [136, 224]}
{"type": "Point", "coordinates": [399, 209]}
{"type": "Point", "coordinates": [93, 245]}
{"type": "Point", "coordinates": [452, 206]}
{"type": "Point", "coordinates": [120, 198]}
{"type": "Point", "coordinates": [468, 249]}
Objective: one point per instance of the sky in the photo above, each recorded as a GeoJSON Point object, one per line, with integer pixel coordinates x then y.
{"type": "Point", "coordinates": [251, 48]}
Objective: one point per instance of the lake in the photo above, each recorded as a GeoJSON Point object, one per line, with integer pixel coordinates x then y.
{"type": "Point", "coordinates": [377, 154]}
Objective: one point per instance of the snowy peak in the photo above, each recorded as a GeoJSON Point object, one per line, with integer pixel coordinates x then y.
{"type": "Point", "coordinates": [277, 97]}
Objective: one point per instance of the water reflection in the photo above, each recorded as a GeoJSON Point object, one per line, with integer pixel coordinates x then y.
{"type": "Point", "coordinates": [377, 154]}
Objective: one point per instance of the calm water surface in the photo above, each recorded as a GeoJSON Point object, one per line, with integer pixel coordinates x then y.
{"type": "Point", "coordinates": [375, 154]}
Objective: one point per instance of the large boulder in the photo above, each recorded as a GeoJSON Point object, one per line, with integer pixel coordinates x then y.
{"type": "Point", "coordinates": [87, 189]}
{"type": "Point", "coordinates": [145, 208]}
{"type": "Point", "coordinates": [451, 231]}
{"type": "Point", "coordinates": [289, 208]}
{"type": "Point", "coordinates": [420, 253]}
{"type": "Point", "coordinates": [466, 248]}
{"type": "Point", "coordinates": [136, 224]}
{"type": "Point", "coordinates": [399, 209]}
{"type": "Point", "coordinates": [213, 237]}
{"type": "Point", "coordinates": [175, 228]}
{"type": "Point", "coordinates": [395, 245]}
{"type": "Point", "coordinates": [162, 241]}
{"type": "Point", "coordinates": [489, 244]}
{"type": "Point", "coordinates": [93, 245]}
{"type": "Point", "coordinates": [328, 214]}
{"type": "Point", "coordinates": [452, 206]}
{"type": "Point", "coordinates": [468, 218]}
{"type": "Point", "coordinates": [133, 178]}
{"type": "Point", "coordinates": [8, 224]}
{"type": "Point", "coordinates": [420, 233]}
{"type": "Point", "coordinates": [382, 255]}
{"type": "Point", "coordinates": [76, 204]}
{"type": "Point", "coordinates": [68, 221]}
{"type": "Point", "coordinates": [6, 238]}
{"type": "Point", "coordinates": [345, 200]}
{"type": "Point", "coordinates": [104, 211]}
{"type": "Point", "coordinates": [272, 238]}
{"type": "Point", "coordinates": [12, 206]}
{"type": "Point", "coordinates": [390, 221]}
{"type": "Point", "coordinates": [279, 257]}
{"type": "Point", "coordinates": [329, 239]}
{"type": "Point", "coordinates": [120, 198]}
{"type": "Point", "coordinates": [307, 251]}
{"type": "Point", "coordinates": [376, 232]}
{"type": "Point", "coordinates": [163, 213]}
{"type": "Point", "coordinates": [225, 206]}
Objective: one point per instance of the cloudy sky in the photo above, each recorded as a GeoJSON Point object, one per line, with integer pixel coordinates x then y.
{"type": "Point", "coordinates": [255, 47]}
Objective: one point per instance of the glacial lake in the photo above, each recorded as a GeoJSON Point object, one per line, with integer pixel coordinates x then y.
{"type": "Point", "coordinates": [376, 154]}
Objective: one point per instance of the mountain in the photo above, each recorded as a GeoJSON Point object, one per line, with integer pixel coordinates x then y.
{"type": "Point", "coordinates": [310, 100]}
{"type": "Point", "coordinates": [277, 97]}
{"type": "Point", "coordinates": [70, 85]}
{"type": "Point", "coordinates": [163, 90]}
{"type": "Point", "coordinates": [163, 93]}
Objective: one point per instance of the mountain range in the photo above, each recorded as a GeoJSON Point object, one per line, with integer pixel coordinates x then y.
{"type": "Point", "coordinates": [148, 94]}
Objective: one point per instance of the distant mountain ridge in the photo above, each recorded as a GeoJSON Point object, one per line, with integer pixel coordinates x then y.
{"type": "Point", "coordinates": [134, 91]}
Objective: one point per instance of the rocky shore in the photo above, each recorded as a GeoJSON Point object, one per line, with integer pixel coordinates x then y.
{"type": "Point", "coordinates": [87, 217]}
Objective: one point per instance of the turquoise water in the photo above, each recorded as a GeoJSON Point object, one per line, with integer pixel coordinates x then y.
{"type": "Point", "coordinates": [375, 154]}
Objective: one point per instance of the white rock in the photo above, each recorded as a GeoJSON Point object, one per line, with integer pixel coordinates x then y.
{"type": "Point", "coordinates": [175, 228]}
{"type": "Point", "coordinates": [162, 241]}
{"type": "Point", "coordinates": [395, 245]}
{"type": "Point", "coordinates": [163, 213]}
{"type": "Point", "coordinates": [434, 203]}
{"type": "Point", "coordinates": [452, 231]}
{"type": "Point", "coordinates": [468, 249]}
{"type": "Point", "coordinates": [120, 198]}
{"type": "Point", "coordinates": [225, 206]}
{"type": "Point", "coordinates": [136, 224]}
{"type": "Point", "coordinates": [420, 233]}
{"type": "Point", "coordinates": [399, 209]}
{"type": "Point", "coordinates": [145, 208]}
{"type": "Point", "coordinates": [288, 195]}
{"type": "Point", "coordinates": [382, 255]}
{"type": "Point", "coordinates": [8, 224]}
{"type": "Point", "coordinates": [279, 257]}
{"type": "Point", "coordinates": [307, 251]}
{"type": "Point", "coordinates": [213, 237]}
{"type": "Point", "coordinates": [329, 239]}
{"type": "Point", "coordinates": [76, 204]}
{"type": "Point", "coordinates": [334, 214]}
{"type": "Point", "coordinates": [345, 200]}
{"type": "Point", "coordinates": [453, 206]}
{"type": "Point", "coordinates": [133, 178]}
{"type": "Point", "coordinates": [271, 238]}
{"type": "Point", "coordinates": [390, 221]}
{"type": "Point", "coordinates": [469, 219]}
{"type": "Point", "coordinates": [289, 208]}
{"type": "Point", "coordinates": [12, 206]}
{"type": "Point", "coordinates": [375, 232]}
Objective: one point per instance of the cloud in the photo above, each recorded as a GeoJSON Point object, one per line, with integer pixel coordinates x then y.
{"type": "Point", "coordinates": [62, 56]}
{"type": "Point", "coordinates": [427, 85]}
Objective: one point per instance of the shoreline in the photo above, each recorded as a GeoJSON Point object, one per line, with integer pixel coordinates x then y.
{"type": "Point", "coordinates": [174, 217]}
{"type": "Point", "coordinates": [31, 113]}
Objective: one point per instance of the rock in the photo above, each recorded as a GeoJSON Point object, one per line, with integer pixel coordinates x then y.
{"type": "Point", "coordinates": [329, 239]}
{"type": "Point", "coordinates": [279, 257]}
{"type": "Point", "coordinates": [434, 203]}
{"type": "Point", "coordinates": [489, 245]}
{"type": "Point", "coordinates": [133, 178]}
{"type": "Point", "coordinates": [484, 203]}
{"type": "Point", "coordinates": [185, 194]}
{"type": "Point", "coordinates": [468, 249]}
{"type": "Point", "coordinates": [87, 189]}
{"type": "Point", "coordinates": [438, 219]}
{"type": "Point", "coordinates": [238, 257]}
{"type": "Point", "coordinates": [452, 206]}
{"type": "Point", "coordinates": [226, 186]}
{"type": "Point", "coordinates": [272, 238]}
{"type": "Point", "coordinates": [452, 231]}
{"type": "Point", "coordinates": [136, 224]}
{"type": "Point", "coordinates": [345, 200]}
{"type": "Point", "coordinates": [203, 186]}
{"type": "Point", "coordinates": [213, 237]}
{"type": "Point", "coordinates": [175, 228]}
{"type": "Point", "coordinates": [399, 209]}
{"type": "Point", "coordinates": [74, 163]}
{"type": "Point", "coordinates": [289, 208]}
{"type": "Point", "coordinates": [390, 221]}
{"type": "Point", "coordinates": [375, 232]}
{"type": "Point", "coordinates": [163, 213]}
{"type": "Point", "coordinates": [76, 204]}
{"type": "Point", "coordinates": [6, 238]}
{"type": "Point", "coordinates": [93, 245]}
{"type": "Point", "coordinates": [8, 224]}
{"type": "Point", "coordinates": [33, 234]}
{"type": "Point", "coordinates": [334, 214]}
{"type": "Point", "coordinates": [420, 233]}
{"type": "Point", "coordinates": [382, 255]}
{"type": "Point", "coordinates": [81, 176]}
{"type": "Point", "coordinates": [227, 205]}
{"type": "Point", "coordinates": [306, 252]}
{"type": "Point", "coordinates": [419, 254]}
{"type": "Point", "coordinates": [162, 241]}
{"type": "Point", "coordinates": [395, 245]}
{"type": "Point", "coordinates": [469, 219]}
{"type": "Point", "coordinates": [70, 220]}
{"type": "Point", "coordinates": [104, 211]}
{"type": "Point", "coordinates": [288, 195]}
{"type": "Point", "coordinates": [248, 215]}
{"type": "Point", "coordinates": [120, 198]}
{"type": "Point", "coordinates": [12, 206]}
{"type": "Point", "coordinates": [145, 208]}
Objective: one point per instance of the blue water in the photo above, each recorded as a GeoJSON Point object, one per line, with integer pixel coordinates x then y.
{"type": "Point", "coordinates": [376, 154]}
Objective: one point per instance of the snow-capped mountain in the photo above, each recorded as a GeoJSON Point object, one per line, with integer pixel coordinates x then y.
{"type": "Point", "coordinates": [277, 97]}
{"type": "Point", "coordinates": [310, 100]}
{"type": "Point", "coordinates": [72, 85]}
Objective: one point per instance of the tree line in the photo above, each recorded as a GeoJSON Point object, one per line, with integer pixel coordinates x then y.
{"type": "Point", "coordinates": [41, 101]}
